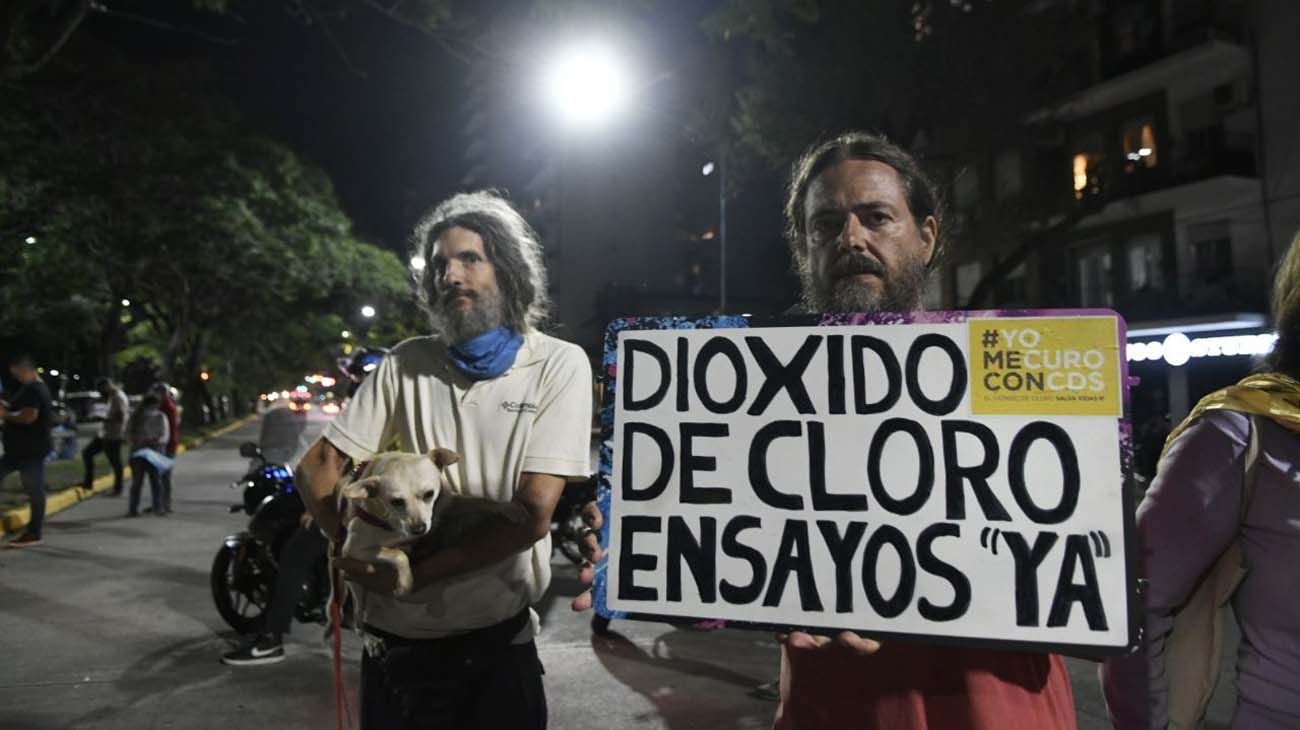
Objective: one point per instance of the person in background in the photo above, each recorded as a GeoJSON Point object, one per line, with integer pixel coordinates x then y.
{"type": "Point", "coordinates": [167, 405]}
{"type": "Point", "coordinates": [110, 438]}
{"type": "Point", "coordinates": [1193, 512]}
{"type": "Point", "coordinates": [26, 416]}
{"type": "Point", "coordinates": [148, 433]}
{"type": "Point", "coordinates": [65, 434]}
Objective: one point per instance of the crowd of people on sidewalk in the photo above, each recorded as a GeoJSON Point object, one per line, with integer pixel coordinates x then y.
{"type": "Point", "coordinates": [150, 435]}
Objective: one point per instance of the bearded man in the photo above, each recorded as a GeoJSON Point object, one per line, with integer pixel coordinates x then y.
{"type": "Point", "coordinates": [863, 226]}
{"type": "Point", "coordinates": [515, 404]}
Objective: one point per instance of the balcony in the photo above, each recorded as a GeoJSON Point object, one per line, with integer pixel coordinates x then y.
{"type": "Point", "coordinates": [1207, 65]}
{"type": "Point", "coordinates": [1201, 155]}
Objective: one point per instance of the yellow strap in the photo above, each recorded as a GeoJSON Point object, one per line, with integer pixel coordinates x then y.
{"type": "Point", "coordinates": [1271, 395]}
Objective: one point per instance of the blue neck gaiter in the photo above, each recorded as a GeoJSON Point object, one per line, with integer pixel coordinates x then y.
{"type": "Point", "coordinates": [488, 355]}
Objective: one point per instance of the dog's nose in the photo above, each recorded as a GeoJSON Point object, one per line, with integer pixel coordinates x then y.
{"type": "Point", "coordinates": [419, 528]}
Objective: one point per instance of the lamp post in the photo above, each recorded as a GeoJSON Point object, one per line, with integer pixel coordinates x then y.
{"type": "Point", "coordinates": [584, 87]}
{"type": "Point", "coordinates": [721, 169]}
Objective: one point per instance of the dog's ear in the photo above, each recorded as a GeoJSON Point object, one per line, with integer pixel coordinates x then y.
{"type": "Point", "coordinates": [362, 488]}
{"type": "Point", "coordinates": [443, 457]}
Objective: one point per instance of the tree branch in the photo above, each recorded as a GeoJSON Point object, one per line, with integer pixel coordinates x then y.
{"type": "Point", "coordinates": [71, 21]}
{"type": "Point", "coordinates": [164, 25]}
{"type": "Point", "coordinates": [333, 41]}
{"type": "Point", "coordinates": [439, 38]}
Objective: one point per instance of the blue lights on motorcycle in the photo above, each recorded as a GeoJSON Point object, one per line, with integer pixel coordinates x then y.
{"type": "Point", "coordinates": [277, 472]}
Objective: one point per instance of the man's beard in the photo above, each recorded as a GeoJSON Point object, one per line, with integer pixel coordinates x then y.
{"type": "Point", "coordinates": [838, 291]}
{"type": "Point", "coordinates": [462, 325]}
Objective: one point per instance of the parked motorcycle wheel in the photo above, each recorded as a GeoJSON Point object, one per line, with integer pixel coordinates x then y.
{"type": "Point", "coordinates": [242, 593]}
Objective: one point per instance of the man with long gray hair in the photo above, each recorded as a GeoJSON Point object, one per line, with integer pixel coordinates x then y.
{"type": "Point", "coordinates": [515, 404]}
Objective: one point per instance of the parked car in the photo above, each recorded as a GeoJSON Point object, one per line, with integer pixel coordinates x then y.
{"type": "Point", "coordinates": [86, 405]}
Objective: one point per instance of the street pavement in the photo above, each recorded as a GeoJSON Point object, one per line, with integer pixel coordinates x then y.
{"type": "Point", "coordinates": [111, 624]}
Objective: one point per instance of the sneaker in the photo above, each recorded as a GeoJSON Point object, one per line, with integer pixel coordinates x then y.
{"type": "Point", "coordinates": [24, 540]}
{"type": "Point", "coordinates": [261, 649]}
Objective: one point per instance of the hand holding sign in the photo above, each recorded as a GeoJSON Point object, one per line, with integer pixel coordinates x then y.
{"type": "Point", "coordinates": [845, 640]}
{"type": "Point", "coordinates": [590, 546]}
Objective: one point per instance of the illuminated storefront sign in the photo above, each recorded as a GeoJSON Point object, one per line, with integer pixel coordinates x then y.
{"type": "Point", "coordinates": [1177, 348]}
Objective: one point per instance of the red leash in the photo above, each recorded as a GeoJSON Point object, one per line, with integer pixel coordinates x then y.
{"type": "Point", "coordinates": [336, 615]}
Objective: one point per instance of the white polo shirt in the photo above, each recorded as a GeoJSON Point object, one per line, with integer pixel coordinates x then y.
{"type": "Point", "coordinates": [536, 417]}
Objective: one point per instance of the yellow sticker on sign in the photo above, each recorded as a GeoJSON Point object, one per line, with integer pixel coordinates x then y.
{"type": "Point", "coordinates": [1045, 366]}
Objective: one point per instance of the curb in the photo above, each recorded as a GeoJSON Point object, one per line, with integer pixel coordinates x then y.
{"type": "Point", "coordinates": [13, 520]}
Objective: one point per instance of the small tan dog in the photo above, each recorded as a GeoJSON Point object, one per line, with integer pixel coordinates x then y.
{"type": "Point", "coordinates": [394, 500]}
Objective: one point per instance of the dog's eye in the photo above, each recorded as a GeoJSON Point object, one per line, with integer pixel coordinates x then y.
{"type": "Point", "coordinates": [399, 503]}
{"type": "Point", "coordinates": [428, 496]}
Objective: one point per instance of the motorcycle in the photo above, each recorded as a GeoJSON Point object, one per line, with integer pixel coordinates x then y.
{"type": "Point", "coordinates": [245, 567]}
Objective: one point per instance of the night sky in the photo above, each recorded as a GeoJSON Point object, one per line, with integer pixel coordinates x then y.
{"type": "Point", "coordinates": [389, 139]}
{"type": "Point", "coordinates": [384, 117]}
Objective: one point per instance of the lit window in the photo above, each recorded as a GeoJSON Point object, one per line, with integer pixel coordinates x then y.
{"type": "Point", "coordinates": [1139, 144]}
{"type": "Point", "coordinates": [1087, 164]}
{"type": "Point", "coordinates": [1080, 174]}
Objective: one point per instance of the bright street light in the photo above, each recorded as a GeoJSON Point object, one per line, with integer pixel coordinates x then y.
{"type": "Point", "coordinates": [126, 302]}
{"type": "Point", "coordinates": [586, 85]}
{"type": "Point", "coordinates": [54, 373]}
{"type": "Point", "coordinates": [31, 240]}
{"type": "Point", "coordinates": [417, 263]}
{"type": "Point", "coordinates": [345, 334]}
{"type": "Point", "coordinates": [367, 311]}
{"type": "Point", "coordinates": [707, 169]}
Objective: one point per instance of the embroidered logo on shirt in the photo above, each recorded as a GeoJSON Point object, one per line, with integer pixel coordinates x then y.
{"type": "Point", "coordinates": [510, 406]}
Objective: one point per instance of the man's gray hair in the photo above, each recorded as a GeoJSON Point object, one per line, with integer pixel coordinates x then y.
{"type": "Point", "coordinates": [510, 244]}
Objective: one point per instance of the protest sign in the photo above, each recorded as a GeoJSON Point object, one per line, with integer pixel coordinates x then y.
{"type": "Point", "coordinates": [949, 477]}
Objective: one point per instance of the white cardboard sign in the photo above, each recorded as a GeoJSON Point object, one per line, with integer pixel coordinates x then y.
{"type": "Point", "coordinates": [886, 478]}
